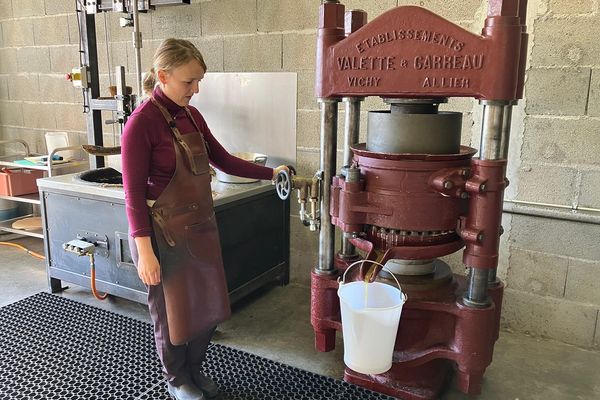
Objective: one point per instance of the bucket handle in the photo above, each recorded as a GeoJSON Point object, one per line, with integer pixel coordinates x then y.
{"type": "Point", "coordinates": [343, 281]}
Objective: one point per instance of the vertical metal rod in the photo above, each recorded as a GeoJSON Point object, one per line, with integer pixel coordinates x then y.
{"type": "Point", "coordinates": [89, 48]}
{"type": "Point", "coordinates": [329, 122]}
{"type": "Point", "coordinates": [495, 135]}
{"type": "Point", "coordinates": [137, 45]}
{"type": "Point", "coordinates": [478, 285]}
{"type": "Point", "coordinates": [351, 137]}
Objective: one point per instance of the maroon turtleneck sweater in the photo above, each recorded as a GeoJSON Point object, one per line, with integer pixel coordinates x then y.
{"type": "Point", "coordinates": [148, 157]}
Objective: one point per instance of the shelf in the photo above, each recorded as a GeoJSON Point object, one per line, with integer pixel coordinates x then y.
{"type": "Point", "coordinates": [9, 161]}
{"type": "Point", "coordinates": [32, 198]}
{"type": "Point", "coordinates": [7, 226]}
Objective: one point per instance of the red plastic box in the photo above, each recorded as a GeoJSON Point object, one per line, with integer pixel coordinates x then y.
{"type": "Point", "coordinates": [15, 182]}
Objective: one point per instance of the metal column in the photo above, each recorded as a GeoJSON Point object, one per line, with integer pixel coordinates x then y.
{"type": "Point", "coordinates": [351, 137]}
{"type": "Point", "coordinates": [329, 123]}
{"type": "Point", "coordinates": [495, 136]}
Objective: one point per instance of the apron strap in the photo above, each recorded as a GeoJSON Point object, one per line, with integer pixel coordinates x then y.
{"type": "Point", "coordinates": [178, 137]}
{"type": "Point", "coordinates": [163, 227]}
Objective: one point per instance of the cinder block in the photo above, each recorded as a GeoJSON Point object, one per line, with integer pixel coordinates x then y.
{"type": "Point", "coordinates": [252, 53]}
{"type": "Point", "coordinates": [287, 15]}
{"type": "Point", "coordinates": [556, 140]}
{"type": "Point", "coordinates": [8, 61]}
{"type": "Point", "coordinates": [306, 91]}
{"type": "Point", "coordinates": [147, 53]}
{"type": "Point", "coordinates": [6, 9]}
{"type": "Point", "coordinates": [70, 117]}
{"type": "Point", "coordinates": [36, 115]}
{"type": "Point", "coordinates": [373, 8]}
{"type": "Point", "coordinates": [557, 91]}
{"type": "Point", "coordinates": [299, 52]}
{"type": "Point", "coordinates": [570, 6]}
{"type": "Point", "coordinates": [554, 48]}
{"type": "Point", "coordinates": [119, 55]}
{"type": "Point", "coordinates": [57, 88]}
{"type": "Point", "coordinates": [179, 22]}
{"type": "Point", "coordinates": [590, 189]}
{"type": "Point", "coordinates": [304, 250]}
{"type": "Point", "coordinates": [73, 29]}
{"type": "Point", "coordinates": [24, 87]}
{"type": "Point", "coordinates": [228, 17]}
{"type": "Point", "coordinates": [537, 273]}
{"type": "Point", "coordinates": [307, 132]}
{"type": "Point", "coordinates": [307, 161]}
{"type": "Point", "coordinates": [51, 30]}
{"type": "Point", "coordinates": [3, 87]}
{"type": "Point", "coordinates": [33, 59]}
{"type": "Point", "coordinates": [212, 51]}
{"type": "Point", "coordinates": [548, 317]}
{"type": "Point", "coordinates": [1, 36]}
{"type": "Point", "coordinates": [63, 58]}
{"type": "Point", "coordinates": [593, 106]}
{"type": "Point", "coordinates": [582, 281]}
{"type": "Point", "coordinates": [597, 338]}
{"type": "Point", "coordinates": [452, 10]}
{"type": "Point", "coordinates": [562, 238]}
{"type": "Point", "coordinates": [29, 8]}
{"type": "Point", "coordinates": [18, 32]}
{"type": "Point", "coordinates": [504, 248]}
{"type": "Point", "coordinates": [59, 7]}
{"type": "Point", "coordinates": [547, 183]}
{"type": "Point", "coordinates": [11, 112]}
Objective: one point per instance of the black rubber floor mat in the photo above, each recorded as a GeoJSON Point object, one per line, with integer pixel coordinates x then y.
{"type": "Point", "coordinates": [56, 348]}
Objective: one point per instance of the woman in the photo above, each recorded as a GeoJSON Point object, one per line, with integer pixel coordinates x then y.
{"type": "Point", "coordinates": [166, 150]}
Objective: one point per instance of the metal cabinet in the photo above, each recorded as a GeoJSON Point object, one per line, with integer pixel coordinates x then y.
{"type": "Point", "coordinates": [253, 226]}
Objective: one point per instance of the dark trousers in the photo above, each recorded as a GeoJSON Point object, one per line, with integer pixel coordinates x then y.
{"type": "Point", "coordinates": [177, 361]}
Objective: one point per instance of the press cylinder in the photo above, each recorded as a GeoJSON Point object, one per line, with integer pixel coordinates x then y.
{"type": "Point", "coordinates": [414, 126]}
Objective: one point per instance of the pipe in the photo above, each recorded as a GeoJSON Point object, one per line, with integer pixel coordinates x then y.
{"type": "Point", "coordinates": [552, 211]}
{"type": "Point", "coordinates": [329, 122]}
{"type": "Point", "coordinates": [137, 45]}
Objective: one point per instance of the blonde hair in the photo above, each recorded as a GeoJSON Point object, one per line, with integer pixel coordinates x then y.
{"type": "Point", "coordinates": [171, 53]}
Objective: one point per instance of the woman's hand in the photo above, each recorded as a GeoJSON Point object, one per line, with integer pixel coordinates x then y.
{"type": "Point", "coordinates": [148, 267]}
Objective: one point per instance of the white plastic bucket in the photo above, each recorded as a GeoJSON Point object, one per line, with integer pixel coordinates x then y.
{"type": "Point", "coordinates": [369, 329]}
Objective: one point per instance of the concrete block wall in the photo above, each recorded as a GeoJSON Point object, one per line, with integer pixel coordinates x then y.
{"type": "Point", "coordinates": [551, 267]}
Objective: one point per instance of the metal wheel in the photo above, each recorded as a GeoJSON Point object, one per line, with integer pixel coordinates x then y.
{"type": "Point", "coordinates": [283, 185]}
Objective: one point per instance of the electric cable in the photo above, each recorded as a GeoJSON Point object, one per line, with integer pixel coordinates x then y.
{"type": "Point", "coordinates": [25, 249]}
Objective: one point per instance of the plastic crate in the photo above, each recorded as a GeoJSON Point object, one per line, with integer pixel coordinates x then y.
{"type": "Point", "coordinates": [15, 182]}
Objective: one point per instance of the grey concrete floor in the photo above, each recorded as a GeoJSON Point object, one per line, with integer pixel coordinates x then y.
{"type": "Point", "coordinates": [274, 323]}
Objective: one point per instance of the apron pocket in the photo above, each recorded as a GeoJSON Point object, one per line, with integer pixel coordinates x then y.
{"type": "Point", "coordinates": [202, 239]}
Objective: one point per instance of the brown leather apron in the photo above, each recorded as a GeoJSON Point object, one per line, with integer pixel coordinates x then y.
{"type": "Point", "coordinates": [183, 219]}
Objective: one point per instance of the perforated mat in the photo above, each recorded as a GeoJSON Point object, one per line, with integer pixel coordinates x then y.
{"type": "Point", "coordinates": [55, 348]}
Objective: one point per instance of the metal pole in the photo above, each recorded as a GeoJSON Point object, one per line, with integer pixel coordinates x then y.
{"type": "Point", "coordinates": [495, 135]}
{"type": "Point", "coordinates": [329, 122]}
{"type": "Point", "coordinates": [137, 45]}
{"type": "Point", "coordinates": [351, 137]}
{"type": "Point", "coordinates": [90, 60]}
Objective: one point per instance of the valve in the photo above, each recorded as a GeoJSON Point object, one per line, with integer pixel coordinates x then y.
{"type": "Point", "coordinates": [283, 184]}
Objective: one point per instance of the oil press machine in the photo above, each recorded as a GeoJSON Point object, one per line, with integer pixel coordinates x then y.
{"type": "Point", "coordinates": [412, 193]}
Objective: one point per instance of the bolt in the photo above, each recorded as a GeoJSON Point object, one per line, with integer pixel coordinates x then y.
{"type": "Point", "coordinates": [480, 236]}
{"type": "Point", "coordinates": [448, 185]}
{"type": "Point", "coordinates": [482, 187]}
{"type": "Point", "coordinates": [464, 195]}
